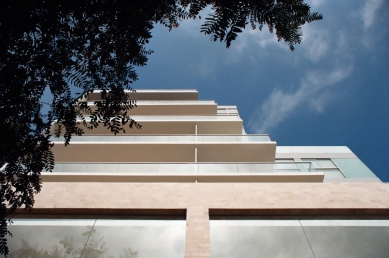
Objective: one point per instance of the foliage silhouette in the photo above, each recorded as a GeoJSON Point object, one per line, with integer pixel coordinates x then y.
{"type": "Point", "coordinates": [59, 47]}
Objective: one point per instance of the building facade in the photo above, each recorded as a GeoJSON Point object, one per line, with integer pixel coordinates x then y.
{"type": "Point", "coordinates": [192, 183]}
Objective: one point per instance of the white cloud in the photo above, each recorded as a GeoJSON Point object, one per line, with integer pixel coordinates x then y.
{"type": "Point", "coordinates": [315, 42]}
{"type": "Point", "coordinates": [312, 90]}
{"type": "Point", "coordinates": [206, 67]}
{"type": "Point", "coordinates": [315, 3]}
{"type": "Point", "coordinates": [369, 12]}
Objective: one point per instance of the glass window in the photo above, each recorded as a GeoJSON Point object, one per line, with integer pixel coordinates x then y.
{"type": "Point", "coordinates": [97, 238]}
{"type": "Point", "coordinates": [286, 165]}
{"type": "Point", "coordinates": [321, 163]}
{"type": "Point", "coordinates": [254, 237]}
{"type": "Point", "coordinates": [327, 166]}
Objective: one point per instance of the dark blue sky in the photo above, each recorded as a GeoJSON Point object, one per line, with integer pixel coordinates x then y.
{"type": "Point", "coordinates": [332, 90]}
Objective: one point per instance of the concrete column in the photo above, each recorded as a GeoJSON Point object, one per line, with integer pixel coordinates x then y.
{"type": "Point", "coordinates": [197, 242]}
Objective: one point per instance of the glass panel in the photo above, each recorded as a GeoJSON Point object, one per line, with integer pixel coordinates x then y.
{"type": "Point", "coordinates": [331, 173]}
{"type": "Point", "coordinates": [138, 168]}
{"type": "Point", "coordinates": [354, 168]}
{"type": "Point", "coordinates": [173, 138]}
{"type": "Point", "coordinates": [299, 238]}
{"type": "Point", "coordinates": [152, 138]}
{"type": "Point", "coordinates": [289, 166]}
{"type": "Point", "coordinates": [286, 166]}
{"type": "Point", "coordinates": [348, 241]}
{"type": "Point", "coordinates": [257, 138]}
{"type": "Point", "coordinates": [216, 138]}
{"type": "Point", "coordinates": [146, 238]}
{"type": "Point", "coordinates": [184, 138]}
{"type": "Point", "coordinates": [49, 238]}
{"type": "Point", "coordinates": [99, 167]}
{"type": "Point", "coordinates": [217, 168]}
{"type": "Point", "coordinates": [321, 163]}
{"type": "Point", "coordinates": [176, 168]}
{"type": "Point", "coordinates": [284, 160]}
{"type": "Point", "coordinates": [90, 238]}
{"type": "Point", "coordinates": [66, 167]}
{"type": "Point", "coordinates": [250, 239]}
{"type": "Point", "coordinates": [118, 138]}
{"type": "Point", "coordinates": [254, 168]}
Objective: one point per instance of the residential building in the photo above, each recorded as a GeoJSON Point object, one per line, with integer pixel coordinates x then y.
{"type": "Point", "coordinates": [192, 183]}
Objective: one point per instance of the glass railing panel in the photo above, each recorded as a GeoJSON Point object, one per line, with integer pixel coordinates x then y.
{"type": "Point", "coordinates": [321, 163]}
{"type": "Point", "coordinates": [138, 168]}
{"type": "Point", "coordinates": [152, 138]}
{"type": "Point", "coordinates": [189, 168]}
{"type": "Point", "coordinates": [253, 168]}
{"type": "Point", "coordinates": [183, 138]}
{"type": "Point", "coordinates": [217, 138]}
{"type": "Point", "coordinates": [186, 168]}
{"type": "Point", "coordinates": [121, 138]}
{"type": "Point", "coordinates": [64, 167]}
{"type": "Point", "coordinates": [171, 138]}
{"type": "Point", "coordinates": [217, 168]}
{"type": "Point", "coordinates": [231, 117]}
{"type": "Point", "coordinates": [175, 102]}
{"type": "Point", "coordinates": [331, 173]}
{"type": "Point", "coordinates": [108, 168]}
{"type": "Point", "coordinates": [287, 167]}
{"type": "Point", "coordinates": [254, 138]}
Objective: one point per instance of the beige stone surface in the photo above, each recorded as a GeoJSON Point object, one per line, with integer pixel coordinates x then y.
{"type": "Point", "coordinates": [212, 195]}
{"type": "Point", "coordinates": [199, 198]}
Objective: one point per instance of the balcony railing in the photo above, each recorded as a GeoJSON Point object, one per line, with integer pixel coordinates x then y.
{"type": "Point", "coordinates": [168, 138]}
{"type": "Point", "coordinates": [223, 117]}
{"type": "Point", "coordinates": [185, 168]}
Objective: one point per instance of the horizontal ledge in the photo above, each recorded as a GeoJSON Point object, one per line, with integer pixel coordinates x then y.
{"type": "Point", "coordinates": [154, 90]}
{"type": "Point", "coordinates": [66, 212]}
{"type": "Point", "coordinates": [199, 178]}
{"type": "Point", "coordinates": [172, 142]}
{"type": "Point", "coordinates": [301, 212]}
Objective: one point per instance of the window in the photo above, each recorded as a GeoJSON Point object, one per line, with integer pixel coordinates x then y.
{"type": "Point", "coordinates": [286, 165]}
{"type": "Point", "coordinates": [98, 237]}
{"type": "Point", "coordinates": [327, 166]}
{"type": "Point", "coordinates": [290, 237]}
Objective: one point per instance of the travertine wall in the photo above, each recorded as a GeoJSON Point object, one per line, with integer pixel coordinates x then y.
{"type": "Point", "coordinates": [198, 198]}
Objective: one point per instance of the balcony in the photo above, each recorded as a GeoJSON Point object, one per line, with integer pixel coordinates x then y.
{"type": "Point", "coordinates": [167, 94]}
{"type": "Point", "coordinates": [172, 107]}
{"type": "Point", "coordinates": [161, 148]}
{"type": "Point", "coordinates": [184, 172]}
{"type": "Point", "coordinates": [212, 124]}
{"type": "Point", "coordinates": [168, 139]}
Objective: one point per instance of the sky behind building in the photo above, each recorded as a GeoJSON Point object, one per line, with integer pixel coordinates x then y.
{"type": "Point", "coordinates": [332, 90]}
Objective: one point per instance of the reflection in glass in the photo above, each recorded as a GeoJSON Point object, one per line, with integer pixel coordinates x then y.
{"type": "Point", "coordinates": [259, 238]}
{"type": "Point", "coordinates": [149, 238]}
{"type": "Point", "coordinates": [48, 238]}
{"type": "Point", "coordinates": [256, 241]}
{"type": "Point", "coordinates": [101, 238]}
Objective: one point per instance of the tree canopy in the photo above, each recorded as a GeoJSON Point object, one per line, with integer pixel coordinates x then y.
{"type": "Point", "coordinates": [63, 47]}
